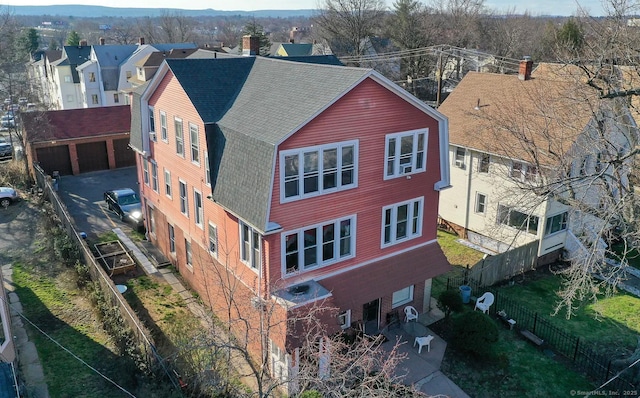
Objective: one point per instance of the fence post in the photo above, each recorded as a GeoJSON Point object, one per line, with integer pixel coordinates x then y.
{"type": "Point", "coordinates": [535, 322]}
{"type": "Point", "coordinates": [575, 352]}
{"type": "Point", "coordinates": [447, 284]}
{"type": "Point", "coordinates": [606, 375]}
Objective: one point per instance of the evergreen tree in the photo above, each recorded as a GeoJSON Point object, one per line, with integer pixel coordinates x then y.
{"type": "Point", "coordinates": [73, 39]}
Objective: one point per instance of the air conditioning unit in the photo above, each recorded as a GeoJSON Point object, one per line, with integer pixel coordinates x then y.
{"type": "Point", "coordinates": [459, 163]}
{"type": "Point", "coordinates": [406, 169]}
{"type": "Point", "coordinates": [152, 136]}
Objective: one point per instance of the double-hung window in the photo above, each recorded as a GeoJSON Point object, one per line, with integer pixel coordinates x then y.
{"type": "Point", "coordinates": [198, 212]}
{"type": "Point", "coordinates": [167, 182]}
{"type": "Point", "coordinates": [179, 137]}
{"type": "Point", "coordinates": [481, 203]}
{"type": "Point", "coordinates": [318, 170]}
{"type": "Point", "coordinates": [213, 239]}
{"type": "Point", "coordinates": [152, 120]}
{"type": "Point", "coordinates": [172, 239]}
{"type": "Point", "coordinates": [163, 126]}
{"type": "Point", "coordinates": [483, 164]}
{"type": "Point", "coordinates": [405, 153]}
{"type": "Point", "coordinates": [250, 246]}
{"type": "Point", "coordinates": [207, 171]}
{"type": "Point", "coordinates": [154, 175]}
{"type": "Point", "coordinates": [195, 143]}
{"type": "Point", "coordinates": [184, 203]}
{"type": "Point", "coordinates": [319, 245]}
{"type": "Point", "coordinates": [188, 254]}
{"type": "Point", "coordinates": [402, 221]}
{"type": "Point", "coordinates": [145, 171]}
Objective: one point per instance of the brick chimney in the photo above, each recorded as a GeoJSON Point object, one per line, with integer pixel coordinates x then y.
{"type": "Point", "coordinates": [526, 65]}
{"type": "Point", "coordinates": [141, 41]}
{"type": "Point", "coordinates": [102, 41]}
{"type": "Point", "coordinates": [250, 45]}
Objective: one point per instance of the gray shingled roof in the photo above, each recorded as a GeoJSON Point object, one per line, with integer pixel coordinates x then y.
{"type": "Point", "coordinates": [249, 106]}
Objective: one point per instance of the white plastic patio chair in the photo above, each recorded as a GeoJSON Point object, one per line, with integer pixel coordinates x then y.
{"type": "Point", "coordinates": [423, 341]}
{"type": "Point", "coordinates": [410, 314]}
{"type": "Point", "coordinates": [484, 302]}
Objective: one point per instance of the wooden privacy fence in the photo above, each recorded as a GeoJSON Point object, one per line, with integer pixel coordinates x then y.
{"type": "Point", "coordinates": [503, 266]}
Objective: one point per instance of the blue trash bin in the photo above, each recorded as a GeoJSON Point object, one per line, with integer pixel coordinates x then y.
{"type": "Point", "coordinates": [465, 291]}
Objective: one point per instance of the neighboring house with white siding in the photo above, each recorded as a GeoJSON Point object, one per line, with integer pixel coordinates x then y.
{"type": "Point", "coordinates": [511, 137]}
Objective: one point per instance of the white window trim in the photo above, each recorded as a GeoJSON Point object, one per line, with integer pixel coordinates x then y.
{"type": "Point", "coordinates": [344, 319]}
{"type": "Point", "coordinates": [459, 163]}
{"type": "Point", "coordinates": [150, 121]}
{"type": "Point", "coordinates": [167, 182]}
{"type": "Point", "coordinates": [207, 170]}
{"type": "Point", "coordinates": [164, 136]}
{"type": "Point", "coordinates": [480, 158]}
{"type": "Point", "coordinates": [171, 238]}
{"type": "Point", "coordinates": [478, 194]}
{"type": "Point", "coordinates": [145, 171]}
{"type": "Point", "coordinates": [252, 254]}
{"type": "Point", "coordinates": [186, 197]}
{"type": "Point", "coordinates": [198, 212]}
{"type": "Point", "coordinates": [155, 185]}
{"type": "Point", "coordinates": [548, 222]}
{"type": "Point", "coordinates": [404, 301]}
{"type": "Point", "coordinates": [188, 254]}
{"type": "Point", "coordinates": [197, 142]}
{"type": "Point", "coordinates": [320, 262]}
{"type": "Point", "coordinates": [415, 168]}
{"type": "Point", "coordinates": [214, 253]}
{"type": "Point", "coordinates": [319, 148]}
{"type": "Point", "coordinates": [410, 235]}
{"type": "Point", "coordinates": [175, 121]}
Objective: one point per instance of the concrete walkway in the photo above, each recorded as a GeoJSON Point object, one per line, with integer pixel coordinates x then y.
{"type": "Point", "coordinates": [28, 360]}
{"type": "Point", "coordinates": [423, 370]}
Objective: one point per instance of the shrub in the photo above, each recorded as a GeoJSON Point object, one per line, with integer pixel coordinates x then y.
{"type": "Point", "coordinates": [450, 301]}
{"type": "Point", "coordinates": [475, 333]}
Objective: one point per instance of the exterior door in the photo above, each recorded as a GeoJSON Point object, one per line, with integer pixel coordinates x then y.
{"type": "Point", "coordinates": [124, 156]}
{"type": "Point", "coordinates": [371, 316]}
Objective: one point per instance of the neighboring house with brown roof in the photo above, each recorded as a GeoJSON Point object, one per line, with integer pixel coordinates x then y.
{"type": "Point", "coordinates": [78, 140]}
{"type": "Point", "coordinates": [511, 137]}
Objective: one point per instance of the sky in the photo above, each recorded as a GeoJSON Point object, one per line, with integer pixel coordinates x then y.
{"type": "Point", "coordinates": [536, 7]}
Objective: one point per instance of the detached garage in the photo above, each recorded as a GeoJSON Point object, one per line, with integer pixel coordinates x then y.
{"type": "Point", "coordinates": [78, 141]}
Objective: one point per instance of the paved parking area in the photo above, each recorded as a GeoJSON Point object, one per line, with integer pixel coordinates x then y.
{"type": "Point", "coordinates": [83, 196]}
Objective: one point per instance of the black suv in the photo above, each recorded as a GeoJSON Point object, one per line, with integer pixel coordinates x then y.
{"type": "Point", "coordinates": [126, 204]}
{"type": "Point", "coordinates": [6, 151]}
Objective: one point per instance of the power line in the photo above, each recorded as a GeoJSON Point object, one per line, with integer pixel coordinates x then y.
{"type": "Point", "coordinates": [67, 350]}
{"type": "Point", "coordinates": [446, 50]}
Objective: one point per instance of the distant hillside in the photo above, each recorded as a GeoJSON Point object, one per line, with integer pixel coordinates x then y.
{"type": "Point", "coordinates": [81, 11]}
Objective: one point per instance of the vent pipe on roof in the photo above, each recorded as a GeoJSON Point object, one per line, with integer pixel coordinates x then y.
{"type": "Point", "coordinates": [526, 65]}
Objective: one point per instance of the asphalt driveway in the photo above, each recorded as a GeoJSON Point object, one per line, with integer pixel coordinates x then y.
{"type": "Point", "coordinates": [83, 196]}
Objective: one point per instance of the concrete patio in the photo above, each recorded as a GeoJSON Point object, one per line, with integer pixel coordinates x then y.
{"type": "Point", "coordinates": [422, 370]}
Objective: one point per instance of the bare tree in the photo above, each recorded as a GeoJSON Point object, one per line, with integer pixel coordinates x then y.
{"type": "Point", "coordinates": [257, 338]}
{"type": "Point", "coordinates": [345, 24]}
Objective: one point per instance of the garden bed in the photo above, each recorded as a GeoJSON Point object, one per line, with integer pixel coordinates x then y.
{"type": "Point", "coordinates": [114, 257]}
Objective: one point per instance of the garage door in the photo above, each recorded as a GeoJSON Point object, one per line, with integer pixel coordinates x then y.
{"type": "Point", "coordinates": [55, 158]}
{"type": "Point", "coordinates": [125, 157]}
{"type": "Point", "coordinates": [92, 156]}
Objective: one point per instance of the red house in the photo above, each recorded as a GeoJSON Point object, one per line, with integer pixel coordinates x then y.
{"type": "Point", "coordinates": [288, 184]}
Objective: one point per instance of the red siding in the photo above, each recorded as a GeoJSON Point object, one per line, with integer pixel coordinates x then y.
{"type": "Point", "coordinates": [367, 114]}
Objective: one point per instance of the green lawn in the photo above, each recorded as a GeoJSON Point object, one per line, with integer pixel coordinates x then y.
{"type": "Point", "coordinates": [612, 325]}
